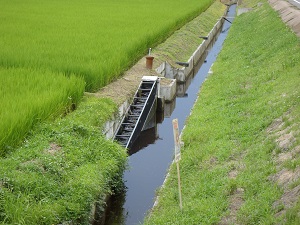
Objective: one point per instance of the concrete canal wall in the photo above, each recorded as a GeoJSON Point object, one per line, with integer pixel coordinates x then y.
{"type": "Point", "coordinates": [182, 74]}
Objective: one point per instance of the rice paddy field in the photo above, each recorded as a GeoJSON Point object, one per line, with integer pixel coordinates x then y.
{"type": "Point", "coordinates": [51, 51]}
{"type": "Point", "coordinates": [94, 39]}
{"type": "Point", "coordinates": [28, 96]}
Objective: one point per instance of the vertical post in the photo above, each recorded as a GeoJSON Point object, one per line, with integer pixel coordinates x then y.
{"type": "Point", "coordinates": [179, 186]}
{"type": "Point", "coordinates": [177, 156]}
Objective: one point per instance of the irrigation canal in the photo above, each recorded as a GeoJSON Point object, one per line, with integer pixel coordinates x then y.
{"type": "Point", "coordinates": [153, 151]}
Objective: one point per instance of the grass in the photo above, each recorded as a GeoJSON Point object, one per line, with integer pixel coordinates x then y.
{"type": "Point", "coordinates": [185, 41]}
{"type": "Point", "coordinates": [62, 170]}
{"type": "Point", "coordinates": [255, 80]}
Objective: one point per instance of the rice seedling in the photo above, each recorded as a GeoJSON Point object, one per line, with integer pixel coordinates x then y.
{"type": "Point", "coordinates": [28, 96]}
{"type": "Point", "coordinates": [96, 39]}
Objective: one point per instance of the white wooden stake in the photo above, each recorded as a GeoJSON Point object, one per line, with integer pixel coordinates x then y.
{"type": "Point", "coordinates": [179, 186]}
{"type": "Point", "coordinates": [177, 156]}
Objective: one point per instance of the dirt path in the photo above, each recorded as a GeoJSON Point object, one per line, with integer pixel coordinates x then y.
{"type": "Point", "coordinates": [124, 88]}
{"type": "Point", "coordinates": [286, 178]}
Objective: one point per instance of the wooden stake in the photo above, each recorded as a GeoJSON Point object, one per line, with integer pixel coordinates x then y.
{"type": "Point", "coordinates": [179, 186]}
{"type": "Point", "coordinates": [177, 156]}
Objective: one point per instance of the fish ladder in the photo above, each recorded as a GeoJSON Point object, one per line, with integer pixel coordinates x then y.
{"type": "Point", "coordinates": [134, 120]}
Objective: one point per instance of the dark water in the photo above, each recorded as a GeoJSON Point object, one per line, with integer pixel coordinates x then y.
{"type": "Point", "coordinates": [153, 152]}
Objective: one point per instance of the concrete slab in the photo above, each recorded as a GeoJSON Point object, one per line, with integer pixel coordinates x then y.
{"type": "Point", "coordinates": [281, 5]}
{"type": "Point", "coordinates": [294, 23]}
{"type": "Point", "coordinates": [243, 10]}
{"type": "Point", "coordinates": [296, 28]}
{"type": "Point", "coordinates": [294, 15]}
{"type": "Point", "coordinates": [288, 13]}
{"type": "Point", "coordinates": [289, 17]}
{"type": "Point", "coordinates": [167, 89]}
{"type": "Point", "coordinates": [285, 13]}
{"type": "Point", "coordinates": [274, 1]}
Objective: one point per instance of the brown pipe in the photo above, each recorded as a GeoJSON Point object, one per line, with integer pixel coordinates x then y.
{"type": "Point", "coordinates": [149, 62]}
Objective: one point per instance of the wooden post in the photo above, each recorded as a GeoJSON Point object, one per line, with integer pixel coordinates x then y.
{"type": "Point", "coordinates": [177, 156]}
{"type": "Point", "coordinates": [179, 186]}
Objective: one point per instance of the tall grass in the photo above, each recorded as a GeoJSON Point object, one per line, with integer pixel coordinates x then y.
{"type": "Point", "coordinates": [96, 39]}
{"type": "Point", "coordinates": [28, 96]}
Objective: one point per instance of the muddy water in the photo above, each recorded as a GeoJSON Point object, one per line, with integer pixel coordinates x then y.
{"type": "Point", "coordinates": [153, 152]}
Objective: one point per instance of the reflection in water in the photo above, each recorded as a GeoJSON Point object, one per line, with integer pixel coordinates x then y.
{"type": "Point", "coordinates": [145, 138]}
{"type": "Point", "coordinates": [114, 211]}
{"type": "Point", "coordinates": [181, 88]}
{"type": "Point", "coordinates": [169, 108]}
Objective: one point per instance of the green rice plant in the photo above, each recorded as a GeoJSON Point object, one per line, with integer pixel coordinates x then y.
{"type": "Point", "coordinates": [96, 40]}
{"type": "Point", "coordinates": [28, 96]}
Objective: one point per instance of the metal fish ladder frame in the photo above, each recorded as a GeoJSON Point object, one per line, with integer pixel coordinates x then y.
{"type": "Point", "coordinates": [137, 114]}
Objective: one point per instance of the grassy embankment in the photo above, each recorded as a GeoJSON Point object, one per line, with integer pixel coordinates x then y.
{"type": "Point", "coordinates": [181, 45]}
{"type": "Point", "coordinates": [63, 166]}
{"type": "Point", "coordinates": [233, 150]}
{"type": "Point", "coordinates": [62, 169]}
{"type": "Point", "coordinates": [90, 42]}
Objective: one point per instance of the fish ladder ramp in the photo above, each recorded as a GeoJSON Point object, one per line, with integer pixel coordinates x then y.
{"type": "Point", "coordinates": [137, 113]}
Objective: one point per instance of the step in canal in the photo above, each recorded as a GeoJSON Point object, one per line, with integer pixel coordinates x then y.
{"type": "Point", "coordinates": [153, 151]}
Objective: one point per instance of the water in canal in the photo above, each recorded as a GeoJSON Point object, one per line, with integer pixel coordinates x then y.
{"type": "Point", "coordinates": [153, 152]}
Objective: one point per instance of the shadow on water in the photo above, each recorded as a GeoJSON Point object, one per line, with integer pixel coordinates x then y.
{"type": "Point", "coordinates": [152, 153]}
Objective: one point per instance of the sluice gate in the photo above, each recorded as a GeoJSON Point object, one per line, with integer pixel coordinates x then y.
{"type": "Point", "coordinates": [138, 112]}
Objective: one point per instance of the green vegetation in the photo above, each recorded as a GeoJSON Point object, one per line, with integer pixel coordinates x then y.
{"type": "Point", "coordinates": [49, 49]}
{"type": "Point", "coordinates": [229, 156]}
{"type": "Point", "coordinates": [181, 45]}
{"type": "Point", "coordinates": [50, 53]}
{"type": "Point", "coordinates": [62, 170]}
{"type": "Point", "coordinates": [28, 96]}
{"type": "Point", "coordinates": [96, 39]}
